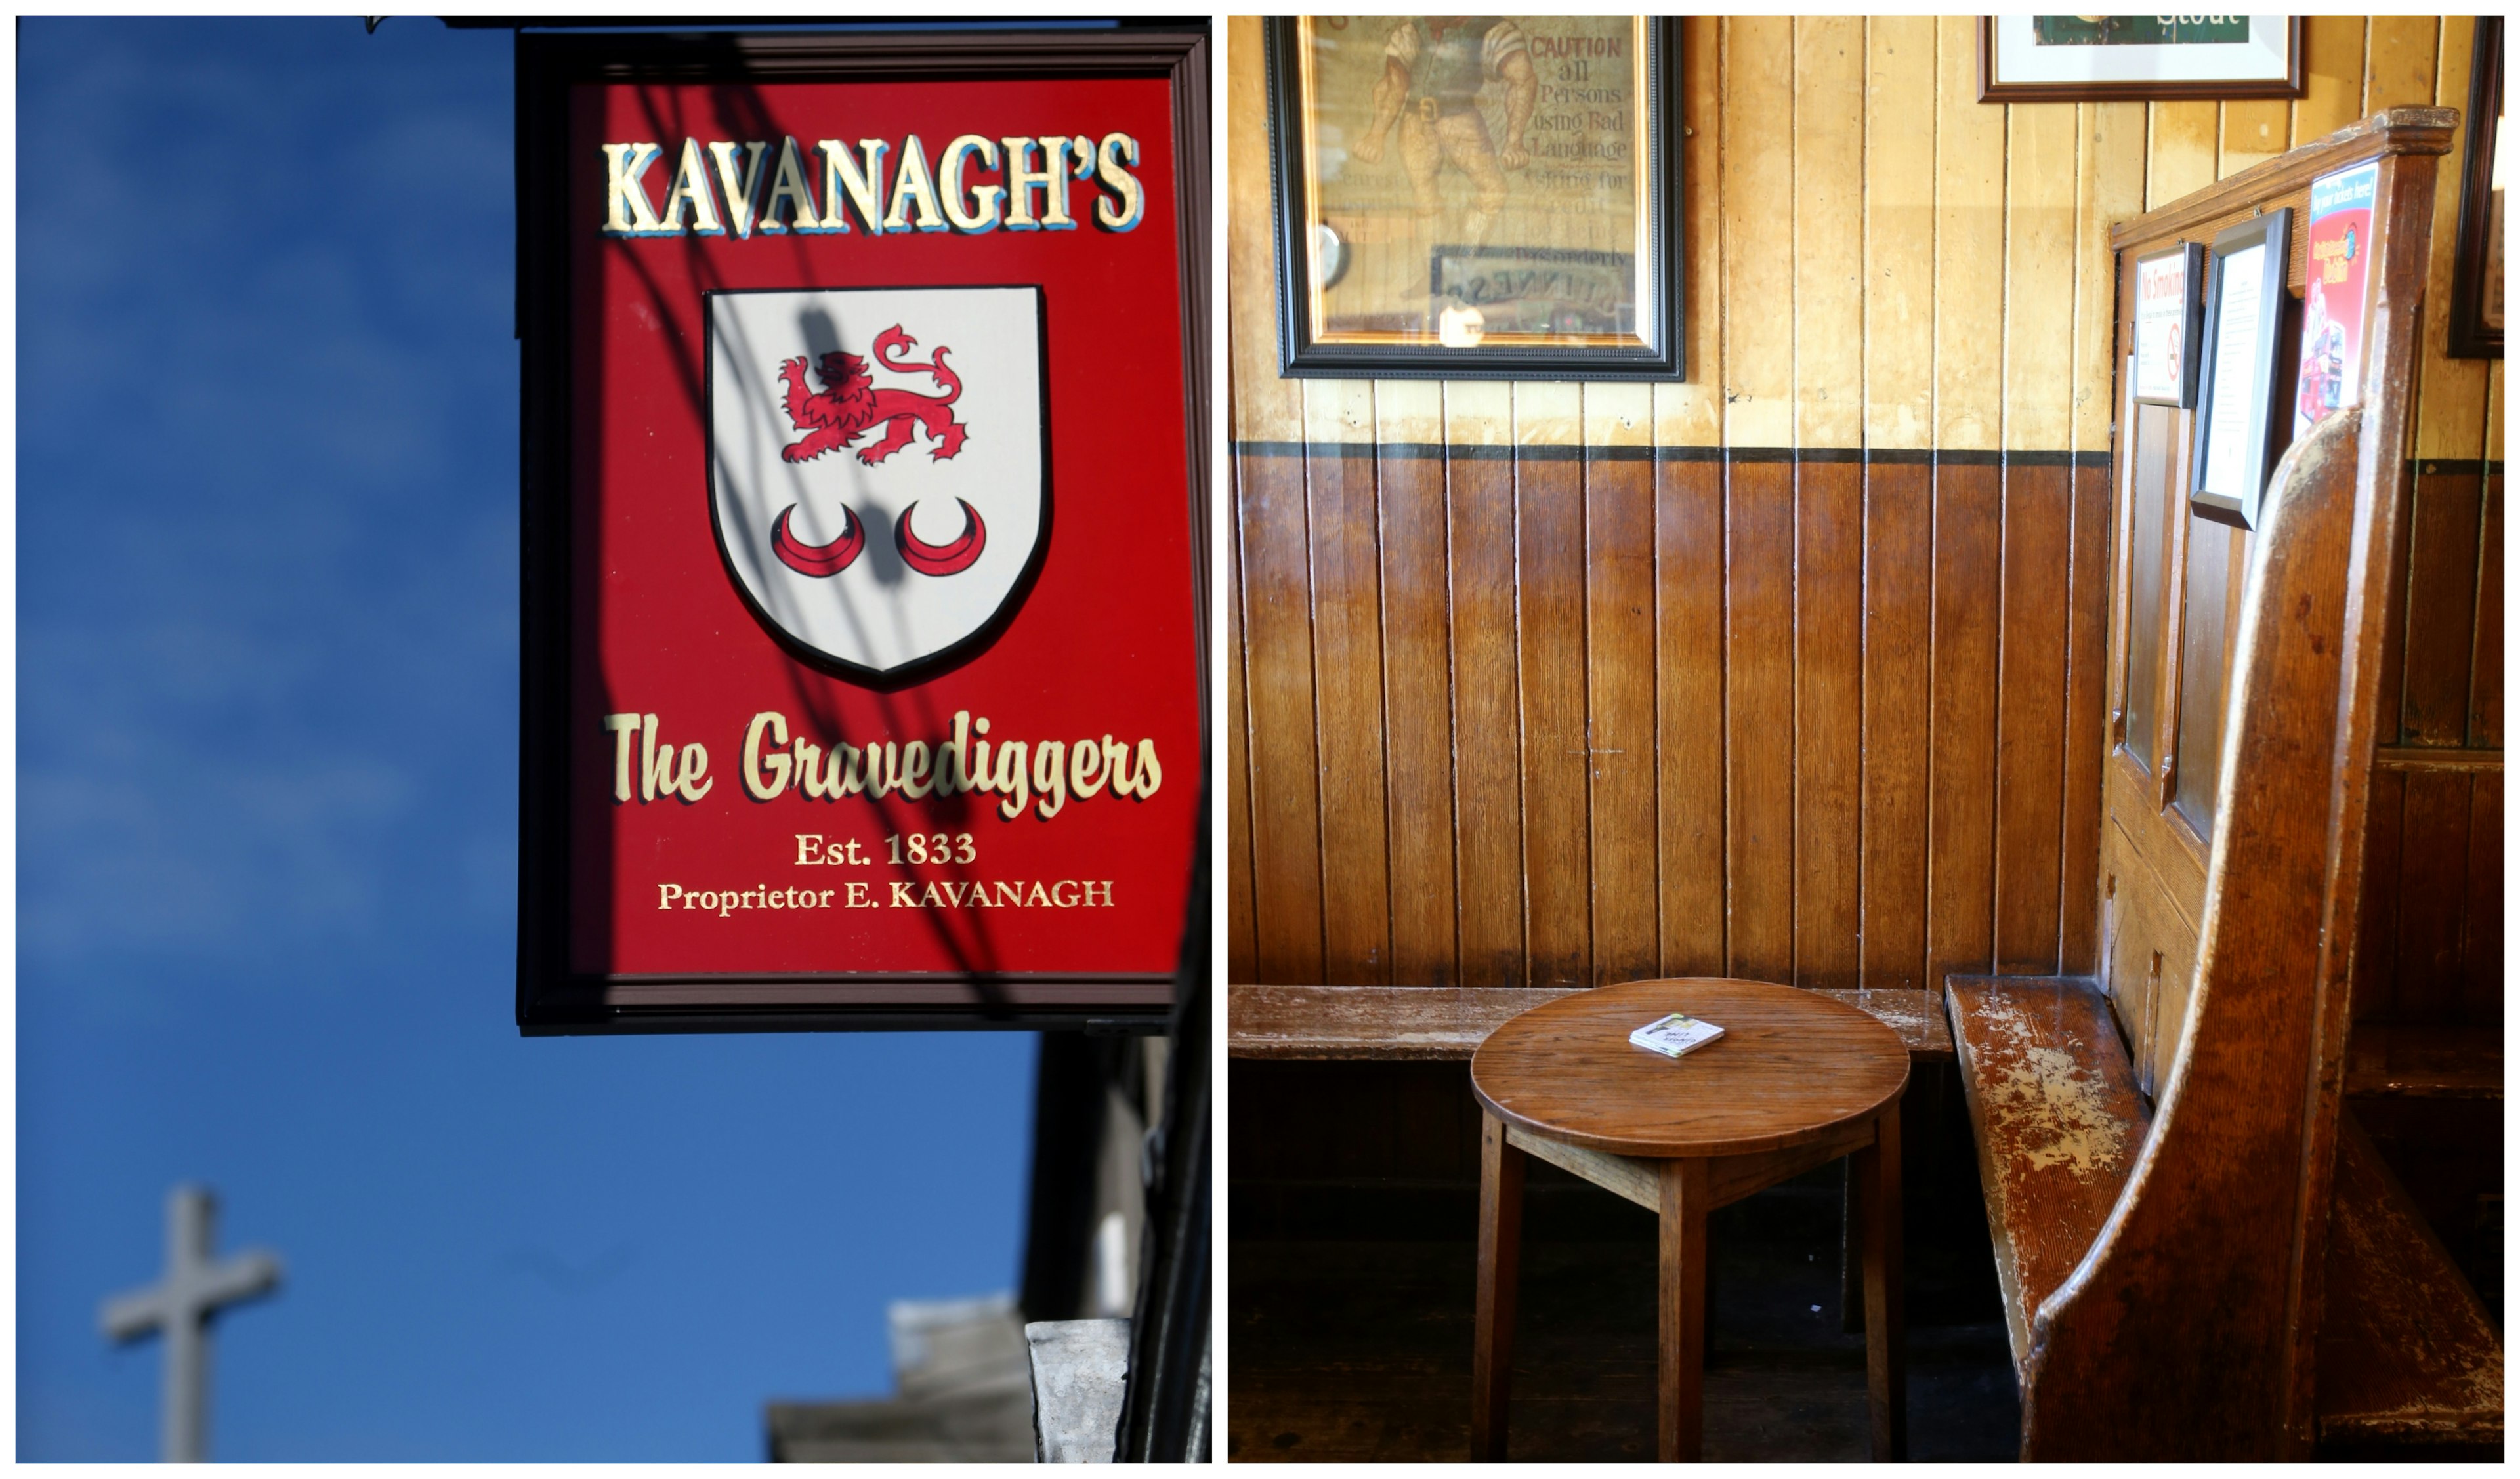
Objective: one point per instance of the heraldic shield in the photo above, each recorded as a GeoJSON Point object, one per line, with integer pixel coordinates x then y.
{"type": "Point", "coordinates": [877, 465]}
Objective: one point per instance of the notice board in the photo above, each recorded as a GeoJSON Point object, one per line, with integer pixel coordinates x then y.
{"type": "Point", "coordinates": [865, 430]}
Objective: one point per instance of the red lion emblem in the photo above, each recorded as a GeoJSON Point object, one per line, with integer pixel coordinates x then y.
{"type": "Point", "coordinates": [849, 404]}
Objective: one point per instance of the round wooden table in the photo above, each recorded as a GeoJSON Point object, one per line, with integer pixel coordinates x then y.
{"type": "Point", "coordinates": [1796, 1081]}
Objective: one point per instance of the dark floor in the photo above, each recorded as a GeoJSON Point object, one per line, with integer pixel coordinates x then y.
{"type": "Point", "coordinates": [1361, 1349]}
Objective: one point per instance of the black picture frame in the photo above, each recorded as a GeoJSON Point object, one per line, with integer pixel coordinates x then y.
{"type": "Point", "coordinates": [2254, 417]}
{"type": "Point", "coordinates": [2474, 268]}
{"type": "Point", "coordinates": [1660, 267]}
{"type": "Point", "coordinates": [551, 998]}
{"type": "Point", "coordinates": [2191, 332]}
{"type": "Point", "coordinates": [2294, 83]}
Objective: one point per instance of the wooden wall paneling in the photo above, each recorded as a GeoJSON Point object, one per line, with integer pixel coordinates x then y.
{"type": "Point", "coordinates": [1757, 209]}
{"type": "Point", "coordinates": [1968, 509]}
{"type": "Point", "coordinates": [2254, 131]}
{"type": "Point", "coordinates": [2449, 400]}
{"type": "Point", "coordinates": [1829, 561]}
{"type": "Point", "coordinates": [1347, 680]}
{"type": "Point", "coordinates": [1688, 553]}
{"type": "Point", "coordinates": [1241, 926]}
{"type": "Point", "coordinates": [2375, 942]}
{"type": "Point", "coordinates": [1285, 797]}
{"type": "Point", "coordinates": [2110, 170]}
{"type": "Point", "coordinates": [1273, 837]}
{"type": "Point", "coordinates": [2388, 720]}
{"type": "Point", "coordinates": [2481, 987]}
{"type": "Point", "coordinates": [1828, 722]}
{"type": "Point", "coordinates": [1967, 594]}
{"type": "Point", "coordinates": [2040, 200]}
{"type": "Point", "coordinates": [1759, 717]}
{"type": "Point", "coordinates": [1898, 220]}
{"type": "Point", "coordinates": [1487, 685]}
{"type": "Point", "coordinates": [1897, 282]}
{"type": "Point", "coordinates": [2185, 145]}
{"type": "Point", "coordinates": [1898, 716]}
{"type": "Point", "coordinates": [1690, 718]}
{"type": "Point", "coordinates": [2432, 895]}
{"type": "Point", "coordinates": [2334, 98]}
{"type": "Point", "coordinates": [2485, 667]}
{"type": "Point", "coordinates": [2030, 726]}
{"type": "Point", "coordinates": [2441, 561]}
{"type": "Point", "coordinates": [1416, 679]}
{"type": "Point", "coordinates": [1758, 197]}
{"type": "Point", "coordinates": [1548, 577]}
{"type": "Point", "coordinates": [2204, 635]}
{"type": "Point", "coordinates": [1690, 412]}
{"type": "Point", "coordinates": [1265, 407]}
{"type": "Point", "coordinates": [1619, 663]}
{"type": "Point", "coordinates": [2085, 725]}
{"type": "Point", "coordinates": [2109, 165]}
{"type": "Point", "coordinates": [1968, 248]}
{"type": "Point", "coordinates": [2399, 52]}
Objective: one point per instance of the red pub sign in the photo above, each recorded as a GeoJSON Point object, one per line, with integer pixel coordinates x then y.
{"type": "Point", "coordinates": [864, 482]}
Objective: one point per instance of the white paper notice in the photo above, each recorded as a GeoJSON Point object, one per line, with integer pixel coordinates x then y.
{"type": "Point", "coordinates": [2237, 395]}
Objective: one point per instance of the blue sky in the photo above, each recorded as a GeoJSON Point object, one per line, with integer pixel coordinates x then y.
{"type": "Point", "coordinates": [266, 512]}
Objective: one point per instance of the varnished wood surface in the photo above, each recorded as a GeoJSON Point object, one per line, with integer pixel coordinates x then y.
{"type": "Point", "coordinates": [2422, 1063]}
{"type": "Point", "coordinates": [1636, 1179]}
{"type": "Point", "coordinates": [2053, 1099]}
{"type": "Point", "coordinates": [2407, 1354]}
{"type": "Point", "coordinates": [1791, 1066]}
{"type": "Point", "coordinates": [1403, 1022]}
{"type": "Point", "coordinates": [2212, 1258]}
{"type": "Point", "coordinates": [1623, 586]}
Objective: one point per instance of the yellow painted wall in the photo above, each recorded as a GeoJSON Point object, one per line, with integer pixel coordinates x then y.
{"type": "Point", "coordinates": [1920, 269]}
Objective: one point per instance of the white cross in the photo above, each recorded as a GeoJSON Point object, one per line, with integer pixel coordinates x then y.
{"type": "Point", "coordinates": [181, 1306]}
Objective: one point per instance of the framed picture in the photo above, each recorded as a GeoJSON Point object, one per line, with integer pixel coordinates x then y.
{"type": "Point", "coordinates": [1485, 196]}
{"type": "Point", "coordinates": [2167, 324]}
{"type": "Point", "coordinates": [858, 690]}
{"type": "Point", "coordinates": [2235, 387]}
{"type": "Point", "coordinates": [2476, 273]}
{"type": "Point", "coordinates": [2098, 59]}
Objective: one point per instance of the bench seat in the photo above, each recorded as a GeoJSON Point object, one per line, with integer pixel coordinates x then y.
{"type": "Point", "coordinates": [1450, 1022]}
{"type": "Point", "coordinates": [2424, 1062]}
{"type": "Point", "coordinates": [2406, 1353]}
{"type": "Point", "coordinates": [2052, 1098]}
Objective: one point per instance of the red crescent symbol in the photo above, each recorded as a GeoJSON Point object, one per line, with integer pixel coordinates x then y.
{"type": "Point", "coordinates": [945, 558]}
{"type": "Point", "coordinates": [817, 559]}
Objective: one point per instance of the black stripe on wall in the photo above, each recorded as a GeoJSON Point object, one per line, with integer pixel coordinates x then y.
{"type": "Point", "coordinates": [1562, 452]}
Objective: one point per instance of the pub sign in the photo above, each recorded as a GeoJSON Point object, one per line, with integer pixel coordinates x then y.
{"type": "Point", "coordinates": [863, 480]}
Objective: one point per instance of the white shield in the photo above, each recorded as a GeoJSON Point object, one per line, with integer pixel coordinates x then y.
{"type": "Point", "coordinates": [877, 471]}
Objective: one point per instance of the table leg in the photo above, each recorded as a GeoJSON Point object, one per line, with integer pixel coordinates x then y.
{"type": "Point", "coordinates": [1885, 1356]}
{"type": "Point", "coordinates": [1500, 1273]}
{"type": "Point", "coordinates": [1681, 1395]}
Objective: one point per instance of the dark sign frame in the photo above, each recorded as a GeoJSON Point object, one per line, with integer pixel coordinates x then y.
{"type": "Point", "coordinates": [1662, 265]}
{"type": "Point", "coordinates": [2472, 274]}
{"type": "Point", "coordinates": [2273, 231]}
{"type": "Point", "coordinates": [2191, 330]}
{"type": "Point", "coordinates": [551, 998]}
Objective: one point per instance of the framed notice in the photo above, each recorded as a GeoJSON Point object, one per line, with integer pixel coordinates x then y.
{"type": "Point", "coordinates": [2236, 390]}
{"type": "Point", "coordinates": [863, 479]}
{"type": "Point", "coordinates": [2336, 298]}
{"type": "Point", "coordinates": [1469, 197]}
{"type": "Point", "coordinates": [2167, 324]}
{"type": "Point", "coordinates": [2098, 59]}
{"type": "Point", "coordinates": [2476, 271]}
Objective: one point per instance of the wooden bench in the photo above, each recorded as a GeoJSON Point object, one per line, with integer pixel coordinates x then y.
{"type": "Point", "coordinates": [1450, 1022]}
{"type": "Point", "coordinates": [2201, 1254]}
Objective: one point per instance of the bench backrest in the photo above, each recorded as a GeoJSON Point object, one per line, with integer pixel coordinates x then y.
{"type": "Point", "coordinates": [2244, 686]}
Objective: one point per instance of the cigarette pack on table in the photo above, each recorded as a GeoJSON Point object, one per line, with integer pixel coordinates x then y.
{"type": "Point", "coordinates": [1675, 1035]}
